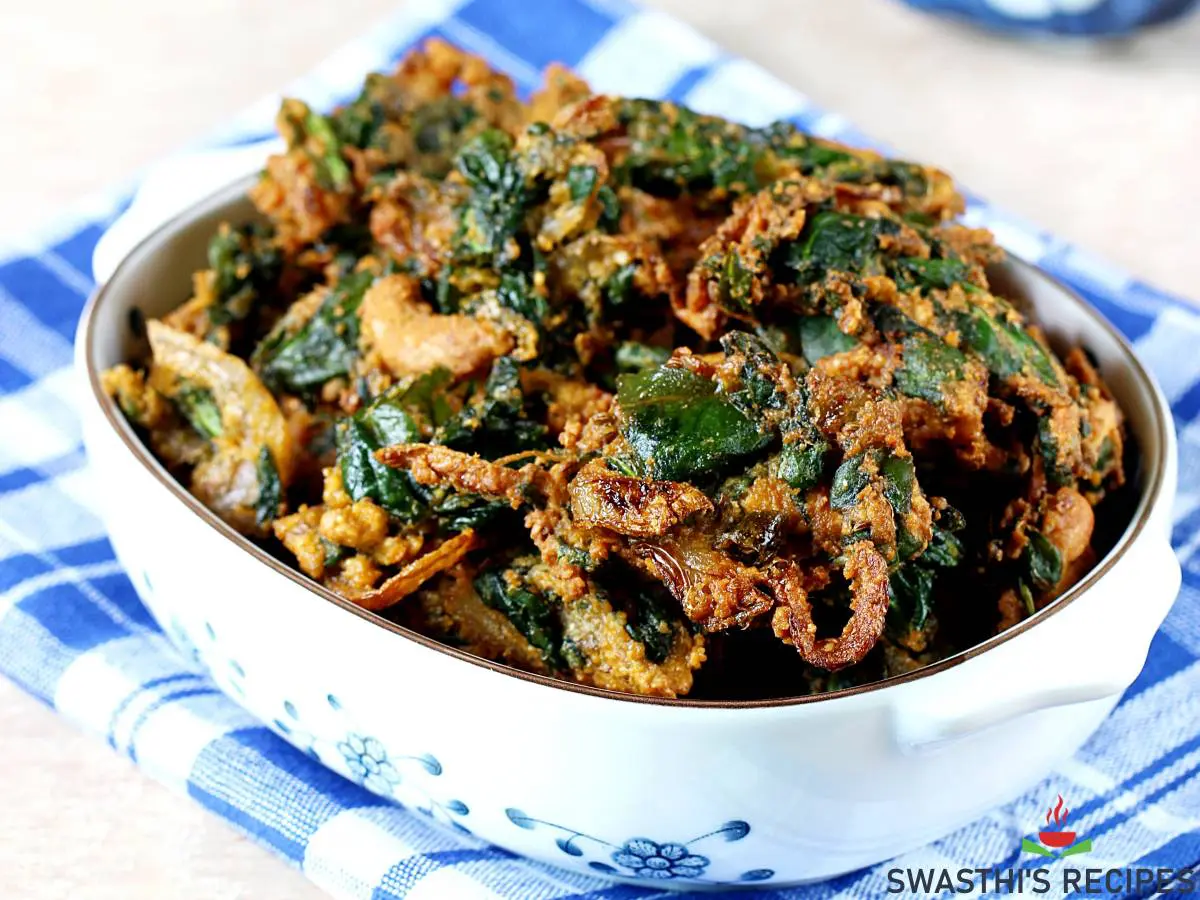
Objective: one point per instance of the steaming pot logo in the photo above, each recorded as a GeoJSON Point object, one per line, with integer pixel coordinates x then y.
{"type": "Point", "coordinates": [1056, 840]}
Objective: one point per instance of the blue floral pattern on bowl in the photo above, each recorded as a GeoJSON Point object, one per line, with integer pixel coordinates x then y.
{"type": "Point", "coordinates": [362, 757]}
{"type": "Point", "coordinates": [647, 859]}
{"type": "Point", "coordinates": [643, 858]}
{"type": "Point", "coordinates": [368, 763]}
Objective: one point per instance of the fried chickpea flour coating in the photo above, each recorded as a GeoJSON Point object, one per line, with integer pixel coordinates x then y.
{"type": "Point", "coordinates": [609, 390]}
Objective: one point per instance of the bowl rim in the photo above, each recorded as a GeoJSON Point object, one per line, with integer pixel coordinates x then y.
{"type": "Point", "coordinates": [1148, 501]}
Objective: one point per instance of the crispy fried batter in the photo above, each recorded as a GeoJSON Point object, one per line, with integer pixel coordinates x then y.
{"type": "Point", "coordinates": [411, 339]}
{"type": "Point", "coordinates": [632, 506]}
{"type": "Point", "coordinates": [431, 465]}
{"type": "Point", "coordinates": [250, 421]}
{"type": "Point", "coordinates": [607, 389]}
{"type": "Point", "coordinates": [417, 572]}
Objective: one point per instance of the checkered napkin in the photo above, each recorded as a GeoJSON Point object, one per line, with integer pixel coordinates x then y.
{"type": "Point", "coordinates": [73, 633]}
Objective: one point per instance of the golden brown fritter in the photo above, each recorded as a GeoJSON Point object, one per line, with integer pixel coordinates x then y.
{"type": "Point", "coordinates": [613, 391]}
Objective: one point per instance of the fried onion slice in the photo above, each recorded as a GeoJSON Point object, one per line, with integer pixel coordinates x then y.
{"type": "Point", "coordinates": [417, 572]}
{"type": "Point", "coordinates": [867, 572]}
{"type": "Point", "coordinates": [632, 506]}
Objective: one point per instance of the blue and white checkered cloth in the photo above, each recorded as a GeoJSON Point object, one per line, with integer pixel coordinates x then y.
{"type": "Point", "coordinates": [73, 633]}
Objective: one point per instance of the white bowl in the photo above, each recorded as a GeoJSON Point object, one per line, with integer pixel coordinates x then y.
{"type": "Point", "coordinates": [686, 792]}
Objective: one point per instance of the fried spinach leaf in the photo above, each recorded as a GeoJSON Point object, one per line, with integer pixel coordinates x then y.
{"type": "Point", "coordinates": [945, 549]}
{"type": "Point", "coordinates": [581, 180]}
{"type": "Point", "coordinates": [456, 512]}
{"type": "Point", "coordinates": [1043, 561]}
{"type": "Point", "coordinates": [270, 488]}
{"type": "Point", "coordinates": [499, 198]}
{"type": "Point", "coordinates": [1005, 347]}
{"type": "Point", "coordinates": [299, 125]}
{"type": "Point", "coordinates": [533, 614]}
{"type": "Point", "coordinates": [910, 586]}
{"type": "Point", "coordinates": [634, 357]}
{"type": "Point", "coordinates": [246, 267]}
{"type": "Point", "coordinates": [651, 625]}
{"type": "Point", "coordinates": [821, 337]}
{"type": "Point", "coordinates": [801, 462]}
{"type": "Point", "coordinates": [494, 423]}
{"type": "Point", "coordinates": [200, 409]}
{"type": "Point", "coordinates": [732, 286]}
{"type": "Point", "coordinates": [759, 370]}
{"type": "Point", "coordinates": [404, 415]}
{"type": "Point", "coordinates": [838, 242]}
{"type": "Point", "coordinates": [673, 149]}
{"type": "Point", "coordinates": [619, 288]}
{"type": "Point", "coordinates": [438, 128]}
{"type": "Point", "coordinates": [358, 122]}
{"type": "Point", "coordinates": [515, 293]}
{"type": "Point", "coordinates": [929, 273]}
{"type": "Point", "coordinates": [331, 168]}
{"type": "Point", "coordinates": [929, 365]}
{"type": "Point", "coordinates": [897, 477]}
{"type": "Point", "coordinates": [680, 427]}
{"type": "Point", "coordinates": [910, 589]}
{"type": "Point", "coordinates": [325, 347]}
{"type": "Point", "coordinates": [1048, 448]}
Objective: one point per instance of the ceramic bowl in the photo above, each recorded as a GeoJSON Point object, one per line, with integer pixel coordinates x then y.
{"type": "Point", "coordinates": [682, 792]}
{"type": "Point", "coordinates": [1059, 18]}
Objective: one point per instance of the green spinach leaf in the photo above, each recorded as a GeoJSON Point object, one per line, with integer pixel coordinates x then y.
{"type": "Point", "coordinates": [1043, 561]}
{"type": "Point", "coordinates": [533, 614]}
{"type": "Point", "coordinates": [821, 337]}
{"type": "Point", "coordinates": [270, 489]}
{"type": "Point", "coordinates": [325, 347]}
{"type": "Point", "coordinates": [929, 366]}
{"type": "Point", "coordinates": [1005, 347]}
{"type": "Point", "coordinates": [499, 197]}
{"type": "Point", "coordinates": [200, 409]}
{"type": "Point", "coordinates": [680, 427]}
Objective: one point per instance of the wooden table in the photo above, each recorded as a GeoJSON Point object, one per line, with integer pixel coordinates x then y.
{"type": "Point", "coordinates": [1096, 142]}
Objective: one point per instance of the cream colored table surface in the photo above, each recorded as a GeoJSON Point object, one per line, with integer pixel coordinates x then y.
{"type": "Point", "coordinates": [1101, 144]}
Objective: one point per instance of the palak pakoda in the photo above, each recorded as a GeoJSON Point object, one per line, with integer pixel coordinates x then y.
{"type": "Point", "coordinates": [613, 391]}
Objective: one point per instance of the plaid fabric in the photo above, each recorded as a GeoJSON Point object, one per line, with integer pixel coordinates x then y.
{"type": "Point", "coordinates": [73, 633]}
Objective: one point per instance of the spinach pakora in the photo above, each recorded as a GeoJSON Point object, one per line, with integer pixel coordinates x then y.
{"type": "Point", "coordinates": [614, 391]}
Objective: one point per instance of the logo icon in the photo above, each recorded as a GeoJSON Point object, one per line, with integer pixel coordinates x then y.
{"type": "Point", "coordinates": [1056, 840]}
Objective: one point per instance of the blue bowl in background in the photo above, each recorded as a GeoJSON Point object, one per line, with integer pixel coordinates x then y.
{"type": "Point", "coordinates": [1092, 18]}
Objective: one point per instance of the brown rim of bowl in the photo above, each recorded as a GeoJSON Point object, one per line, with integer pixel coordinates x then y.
{"type": "Point", "coordinates": [1146, 502]}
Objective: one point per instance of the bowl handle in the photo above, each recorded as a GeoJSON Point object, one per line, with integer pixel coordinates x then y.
{"type": "Point", "coordinates": [1079, 669]}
